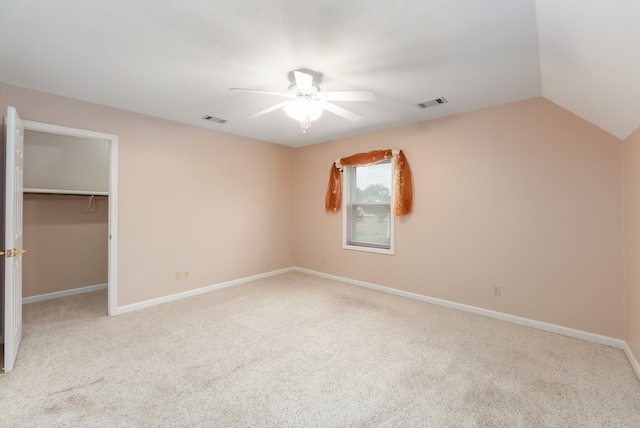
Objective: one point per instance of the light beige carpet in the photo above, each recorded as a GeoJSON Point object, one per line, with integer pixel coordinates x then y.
{"type": "Point", "coordinates": [297, 350]}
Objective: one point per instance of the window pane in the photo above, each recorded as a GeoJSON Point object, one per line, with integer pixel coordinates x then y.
{"type": "Point", "coordinates": [373, 183]}
{"type": "Point", "coordinates": [371, 224]}
{"type": "Point", "coordinates": [368, 220]}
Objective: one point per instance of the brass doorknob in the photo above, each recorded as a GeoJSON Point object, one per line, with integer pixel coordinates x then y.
{"type": "Point", "coordinates": [11, 253]}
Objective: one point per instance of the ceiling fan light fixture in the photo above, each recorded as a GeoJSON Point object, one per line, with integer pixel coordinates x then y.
{"type": "Point", "coordinates": [301, 107]}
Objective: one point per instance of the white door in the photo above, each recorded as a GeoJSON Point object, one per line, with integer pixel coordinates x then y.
{"type": "Point", "coordinates": [14, 160]}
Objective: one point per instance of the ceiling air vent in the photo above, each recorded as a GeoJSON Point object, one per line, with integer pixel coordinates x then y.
{"type": "Point", "coordinates": [214, 119]}
{"type": "Point", "coordinates": [432, 103]}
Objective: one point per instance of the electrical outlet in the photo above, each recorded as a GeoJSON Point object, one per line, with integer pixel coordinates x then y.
{"type": "Point", "coordinates": [178, 275]}
{"type": "Point", "coordinates": [324, 259]}
{"type": "Point", "coordinates": [185, 274]}
{"type": "Point", "coordinates": [496, 290]}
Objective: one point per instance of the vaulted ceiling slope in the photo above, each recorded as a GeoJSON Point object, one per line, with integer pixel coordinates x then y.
{"type": "Point", "coordinates": [177, 59]}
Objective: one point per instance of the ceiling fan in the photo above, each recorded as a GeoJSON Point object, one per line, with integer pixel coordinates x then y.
{"type": "Point", "coordinates": [306, 101]}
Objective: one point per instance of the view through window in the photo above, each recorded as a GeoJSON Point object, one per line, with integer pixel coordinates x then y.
{"type": "Point", "coordinates": [368, 218]}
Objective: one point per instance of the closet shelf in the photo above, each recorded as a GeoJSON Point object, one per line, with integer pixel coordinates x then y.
{"type": "Point", "coordinates": [65, 192]}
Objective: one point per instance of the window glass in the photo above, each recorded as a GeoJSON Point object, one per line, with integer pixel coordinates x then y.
{"type": "Point", "coordinates": [368, 219]}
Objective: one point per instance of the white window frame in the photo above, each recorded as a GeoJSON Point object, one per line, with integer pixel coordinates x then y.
{"type": "Point", "coordinates": [348, 182]}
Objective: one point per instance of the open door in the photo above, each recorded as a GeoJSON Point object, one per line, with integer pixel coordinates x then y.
{"type": "Point", "coordinates": [14, 160]}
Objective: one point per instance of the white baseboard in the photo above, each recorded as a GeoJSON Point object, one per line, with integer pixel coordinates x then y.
{"type": "Point", "coordinates": [553, 328]}
{"type": "Point", "coordinates": [64, 293]}
{"type": "Point", "coordinates": [632, 359]}
{"type": "Point", "coordinates": [178, 296]}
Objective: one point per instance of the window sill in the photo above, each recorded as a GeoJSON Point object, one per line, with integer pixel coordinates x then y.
{"type": "Point", "coordinates": [388, 252]}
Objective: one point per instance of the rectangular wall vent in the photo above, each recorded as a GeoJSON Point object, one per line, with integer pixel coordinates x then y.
{"type": "Point", "coordinates": [433, 103]}
{"type": "Point", "coordinates": [214, 119]}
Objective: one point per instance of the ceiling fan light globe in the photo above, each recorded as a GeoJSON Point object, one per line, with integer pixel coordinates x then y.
{"type": "Point", "coordinates": [298, 109]}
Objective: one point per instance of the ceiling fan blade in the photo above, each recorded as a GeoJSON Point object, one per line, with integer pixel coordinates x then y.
{"type": "Point", "coordinates": [270, 109]}
{"type": "Point", "coordinates": [349, 95]}
{"type": "Point", "coordinates": [304, 81]}
{"type": "Point", "coordinates": [258, 91]}
{"type": "Point", "coordinates": [342, 112]}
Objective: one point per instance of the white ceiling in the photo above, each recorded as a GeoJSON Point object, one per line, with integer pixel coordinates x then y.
{"type": "Point", "coordinates": [177, 59]}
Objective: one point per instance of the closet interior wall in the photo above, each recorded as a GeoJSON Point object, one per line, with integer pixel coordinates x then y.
{"type": "Point", "coordinates": [67, 245]}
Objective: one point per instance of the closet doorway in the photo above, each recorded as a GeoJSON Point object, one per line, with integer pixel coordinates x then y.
{"type": "Point", "coordinates": [74, 173]}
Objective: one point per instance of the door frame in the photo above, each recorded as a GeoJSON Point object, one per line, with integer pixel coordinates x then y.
{"type": "Point", "coordinates": [29, 125]}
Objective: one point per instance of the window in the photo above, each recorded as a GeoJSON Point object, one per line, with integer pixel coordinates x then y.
{"type": "Point", "coordinates": [368, 219]}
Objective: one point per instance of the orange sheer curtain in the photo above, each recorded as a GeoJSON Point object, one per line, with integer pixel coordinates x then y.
{"type": "Point", "coordinates": [402, 183]}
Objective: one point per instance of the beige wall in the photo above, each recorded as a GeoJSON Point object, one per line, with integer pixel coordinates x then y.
{"type": "Point", "coordinates": [190, 198]}
{"type": "Point", "coordinates": [632, 241]}
{"type": "Point", "coordinates": [526, 196]}
{"type": "Point", "coordinates": [67, 247]}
